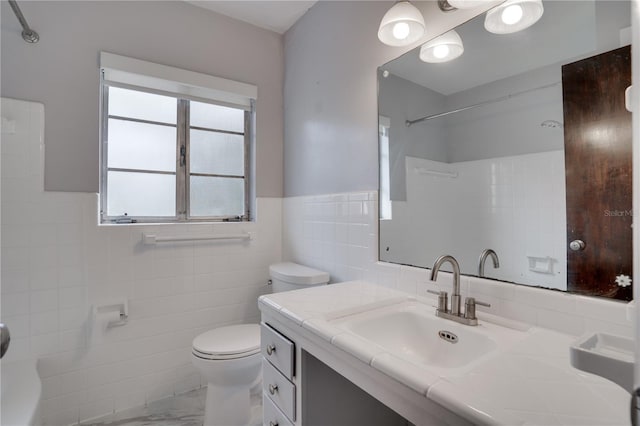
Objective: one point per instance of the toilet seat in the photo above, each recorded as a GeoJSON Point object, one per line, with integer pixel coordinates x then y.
{"type": "Point", "coordinates": [231, 342]}
{"type": "Point", "coordinates": [218, 357]}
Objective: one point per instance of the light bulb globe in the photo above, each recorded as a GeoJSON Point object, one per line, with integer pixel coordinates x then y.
{"type": "Point", "coordinates": [441, 51]}
{"type": "Point", "coordinates": [444, 48]}
{"type": "Point", "coordinates": [513, 16]}
{"type": "Point", "coordinates": [401, 30]}
{"type": "Point", "coordinates": [403, 18]}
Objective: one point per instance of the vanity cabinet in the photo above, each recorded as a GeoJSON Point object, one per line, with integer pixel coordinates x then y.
{"type": "Point", "coordinates": [278, 369]}
{"type": "Point", "coordinates": [272, 416]}
{"type": "Point", "coordinates": [306, 385]}
{"type": "Point", "coordinates": [279, 389]}
{"type": "Point", "coordinates": [278, 350]}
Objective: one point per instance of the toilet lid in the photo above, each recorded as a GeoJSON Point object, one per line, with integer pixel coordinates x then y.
{"type": "Point", "coordinates": [231, 340]}
{"type": "Point", "coordinates": [293, 273]}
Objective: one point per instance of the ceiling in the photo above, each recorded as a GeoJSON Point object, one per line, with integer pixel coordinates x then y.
{"type": "Point", "coordinates": [276, 16]}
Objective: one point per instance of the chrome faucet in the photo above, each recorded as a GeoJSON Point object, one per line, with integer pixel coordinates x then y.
{"type": "Point", "coordinates": [483, 258]}
{"type": "Point", "coordinates": [454, 314]}
{"type": "Point", "coordinates": [455, 295]}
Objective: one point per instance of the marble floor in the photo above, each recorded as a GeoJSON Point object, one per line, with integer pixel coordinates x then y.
{"type": "Point", "coordinates": [181, 410]}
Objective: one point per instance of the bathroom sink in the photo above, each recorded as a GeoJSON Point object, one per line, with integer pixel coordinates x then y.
{"type": "Point", "coordinates": [411, 330]}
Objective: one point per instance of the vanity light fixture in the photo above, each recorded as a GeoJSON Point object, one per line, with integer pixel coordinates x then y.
{"type": "Point", "coordinates": [451, 5]}
{"type": "Point", "coordinates": [442, 49]}
{"type": "Point", "coordinates": [401, 25]}
{"type": "Point", "coordinates": [513, 16]}
{"type": "Point", "coordinates": [465, 4]}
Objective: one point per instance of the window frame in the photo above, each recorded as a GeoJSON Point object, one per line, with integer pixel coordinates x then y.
{"type": "Point", "coordinates": [183, 166]}
{"type": "Point", "coordinates": [384, 192]}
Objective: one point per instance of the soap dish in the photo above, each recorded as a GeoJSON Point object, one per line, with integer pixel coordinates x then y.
{"type": "Point", "coordinates": [605, 355]}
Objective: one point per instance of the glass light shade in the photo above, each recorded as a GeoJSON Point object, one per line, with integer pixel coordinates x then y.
{"type": "Point", "coordinates": [466, 4]}
{"type": "Point", "coordinates": [502, 19]}
{"type": "Point", "coordinates": [402, 25]}
{"type": "Point", "coordinates": [442, 49]}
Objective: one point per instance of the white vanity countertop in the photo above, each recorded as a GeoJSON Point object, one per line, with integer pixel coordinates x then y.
{"type": "Point", "coordinates": [528, 383]}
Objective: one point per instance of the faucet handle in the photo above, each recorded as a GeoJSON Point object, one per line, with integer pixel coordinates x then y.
{"type": "Point", "coordinates": [470, 307]}
{"type": "Point", "coordinates": [443, 299]}
{"type": "Point", "coordinates": [486, 305]}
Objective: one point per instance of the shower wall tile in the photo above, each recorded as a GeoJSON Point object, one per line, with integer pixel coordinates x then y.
{"type": "Point", "coordinates": [57, 263]}
{"type": "Point", "coordinates": [481, 200]}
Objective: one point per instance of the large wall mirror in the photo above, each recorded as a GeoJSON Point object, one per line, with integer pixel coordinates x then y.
{"type": "Point", "coordinates": [521, 145]}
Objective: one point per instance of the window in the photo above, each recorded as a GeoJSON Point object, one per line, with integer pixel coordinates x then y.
{"type": "Point", "coordinates": [384, 126]}
{"type": "Point", "coordinates": [167, 157]}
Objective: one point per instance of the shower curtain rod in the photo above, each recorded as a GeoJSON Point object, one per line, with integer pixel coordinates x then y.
{"type": "Point", "coordinates": [28, 35]}
{"type": "Point", "coordinates": [491, 101]}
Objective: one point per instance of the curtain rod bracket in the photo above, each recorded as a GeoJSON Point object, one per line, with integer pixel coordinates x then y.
{"type": "Point", "coordinates": [28, 35]}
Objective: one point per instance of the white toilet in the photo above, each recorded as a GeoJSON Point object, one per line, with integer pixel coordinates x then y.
{"type": "Point", "coordinates": [229, 357]}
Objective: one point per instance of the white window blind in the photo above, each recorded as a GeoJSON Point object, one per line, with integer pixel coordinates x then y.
{"type": "Point", "coordinates": [176, 81]}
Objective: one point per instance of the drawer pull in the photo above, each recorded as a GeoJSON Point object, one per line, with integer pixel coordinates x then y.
{"type": "Point", "coordinates": [273, 389]}
{"type": "Point", "coordinates": [271, 349]}
{"type": "Point", "coordinates": [273, 424]}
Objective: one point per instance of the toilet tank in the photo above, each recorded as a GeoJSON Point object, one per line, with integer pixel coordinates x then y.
{"type": "Point", "coordinates": [292, 276]}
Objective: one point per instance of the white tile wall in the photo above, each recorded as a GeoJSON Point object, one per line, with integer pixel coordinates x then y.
{"type": "Point", "coordinates": [482, 199]}
{"type": "Point", "coordinates": [57, 263]}
{"type": "Point", "coordinates": [344, 259]}
{"type": "Point", "coordinates": [335, 233]}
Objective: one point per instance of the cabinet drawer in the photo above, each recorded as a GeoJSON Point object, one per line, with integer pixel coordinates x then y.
{"type": "Point", "coordinates": [272, 416]}
{"type": "Point", "coordinates": [279, 389]}
{"type": "Point", "coordinates": [279, 350]}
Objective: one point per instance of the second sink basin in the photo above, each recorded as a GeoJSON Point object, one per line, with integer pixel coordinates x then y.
{"type": "Point", "coordinates": [410, 330]}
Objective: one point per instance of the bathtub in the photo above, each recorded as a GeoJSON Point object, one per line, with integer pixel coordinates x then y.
{"type": "Point", "coordinates": [21, 392]}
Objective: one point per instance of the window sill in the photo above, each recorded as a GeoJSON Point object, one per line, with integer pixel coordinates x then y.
{"type": "Point", "coordinates": [164, 224]}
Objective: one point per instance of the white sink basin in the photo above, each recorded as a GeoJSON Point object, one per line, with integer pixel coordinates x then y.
{"type": "Point", "coordinates": [411, 330]}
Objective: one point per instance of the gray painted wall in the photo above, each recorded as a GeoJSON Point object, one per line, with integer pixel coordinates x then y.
{"type": "Point", "coordinates": [61, 71]}
{"type": "Point", "coordinates": [402, 100]}
{"type": "Point", "coordinates": [330, 88]}
{"type": "Point", "coordinates": [510, 127]}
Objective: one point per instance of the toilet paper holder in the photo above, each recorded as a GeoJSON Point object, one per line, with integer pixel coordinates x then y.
{"type": "Point", "coordinates": [121, 308]}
